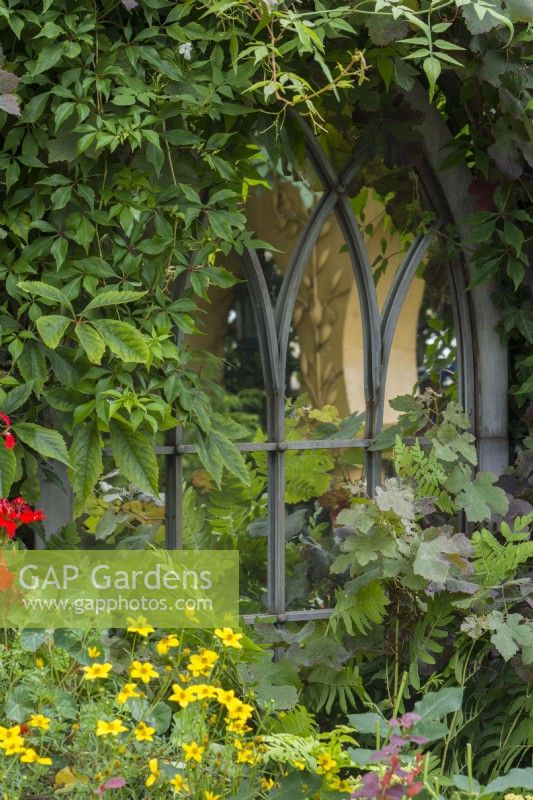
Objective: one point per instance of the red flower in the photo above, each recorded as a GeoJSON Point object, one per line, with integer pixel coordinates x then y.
{"type": "Point", "coordinates": [10, 440]}
{"type": "Point", "coordinates": [17, 512]}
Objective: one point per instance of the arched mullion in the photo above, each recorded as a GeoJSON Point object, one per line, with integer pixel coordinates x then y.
{"type": "Point", "coordinates": [371, 330]}
{"type": "Point", "coordinates": [360, 265]}
{"type": "Point", "coordinates": [271, 363]}
{"type": "Point", "coordinates": [274, 379]}
{"type": "Point", "coordinates": [461, 299]}
{"type": "Point", "coordinates": [297, 266]}
{"type": "Point", "coordinates": [394, 304]}
{"type": "Point", "coordinates": [366, 289]}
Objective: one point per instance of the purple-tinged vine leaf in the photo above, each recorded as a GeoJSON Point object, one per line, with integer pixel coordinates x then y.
{"type": "Point", "coordinates": [9, 104]}
{"type": "Point", "coordinates": [489, 21]}
{"type": "Point", "coordinates": [505, 155]}
{"type": "Point", "coordinates": [129, 5]}
{"type": "Point", "coordinates": [396, 496]}
{"type": "Point", "coordinates": [8, 81]}
{"type": "Point", "coordinates": [435, 558]}
{"type": "Point", "coordinates": [384, 30]}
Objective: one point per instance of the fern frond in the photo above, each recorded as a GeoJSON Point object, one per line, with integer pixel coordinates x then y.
{"type": "Point", "coordinates": [298, 722]}
{"type": "Point", "coordinates": [360, 610]}
{"type": "Point", "coordinates": [495, 562]}
{"type": "Point", "coordinates": [427, 472]}
{"type": "Point", "coordinates": [328, 687]}
{"type": "Point", "coordinates": [427, 635]}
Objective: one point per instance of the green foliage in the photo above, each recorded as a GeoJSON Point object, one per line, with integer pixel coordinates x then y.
{"type": "Point", "coordinates": [359, 607]}
{"type": "Point", "coordinates": [124, 171]}
{"type": "Point", "coordinates": [496, 561]}
{"type": "Point", "coordinates": [425, 469]}
{"type": "Point", "coordinates": [428, 636]}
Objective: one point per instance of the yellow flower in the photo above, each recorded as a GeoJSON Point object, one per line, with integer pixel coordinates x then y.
{"type": "Point", "coordinates": [29, 756]}
{"type": "Point", "coordinates": [203, 691]}
{"type": "Point", "coordinates": [154, 772]}
{"type": "Point", "coordinates": [39, 721]}
{"type": "Point", "coordinates": [326, 764]}
{"type": "Point", "coordinates": [299, 764]}
{"type": "Point", "coordinates": [237, 726]}
{"type": "Point", "coordinates": [10, 740]}
{"type": "Point", "coordinates": [139, 626]}
{"type": "Point", "coordinates": [267, 784]}
{"type": "Point", "coordinates": [97, 671]}
{"type": "Point", "coordinates": [127, 691]}
{"type": "Point", "coordinates": [229, 638]}
{"type": "Point", "coordinates": [245, 756]}
{"type": "Point", "coordinates": [339, 785]}
{"type": "Point", "coordinates": [166, 643]}
{"type": "Point", "coordinates": [193, 751]}
{"type": "Point", "coordinates": [39, 663]}
{"type": "Point", "coordinates": [93, 652]}
{"type": "Point", "coordinates": [178, 783]}
{"type": "Point", "coordinates": [225, 696]}
{"type": "Point", "coordinates": [181, 696]}
{"type": "Point", "coordinates": [202, 663]}
{"type": "Point", "coordinates": [143, 670]}
{"type": "Point", "coordinates": [144, 733]}
{"type": "Point", "coordinates": [239, 710]}
{"type": "Point", "coordinates": [210, 796]}
{"type": "Point", "coordinates": [112, 728]}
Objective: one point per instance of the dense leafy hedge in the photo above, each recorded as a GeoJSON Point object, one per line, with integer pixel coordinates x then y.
{"type": "Point", "coordinates": [142, 129]}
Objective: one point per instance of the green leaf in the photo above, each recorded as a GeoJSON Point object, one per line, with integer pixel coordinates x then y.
{"type": "Point", "coordinates": [19, 704]}
{"type": "Point", "coordinates": [480, 498]}
{"type": "Point", "coordinates": [52, 328]}
{"type": "Point", "coordinates": [8, 468]}
{"type": "Point", "coordinates": [32, 638]}
{"type": "Point", "coordinates": [503, 641]}
{"type": "Point", "coordinates": [231, 457]}
{"type": "Point", "coordinates": [432, 68]}
{"type": "Point", "coordinates": [46, 442]}
{"type": "Point", "coordinates": [48, 58]}
{"type": "Point", "coordinates": [113, 297]}
{"type": "Point", "coordinates": [368, 722]}
{"type": "Point", "coordinates": [515, 779]}
{"type": "Point", "coordinates": [64, 705]}
{"type": "Point", "coordinates": [91, 341]}
{"type": "Point", "coordinates": [435, 705]}
{"type": "Point", "coordinates": [277, 697]}
{"type": "Point", "coordinates": [17, 397]}
{"type": "Point", "coordinates": [31, 363]}
{"type": "Point", "coordinates": [85, 458]}
{"type": "Point", "coordinates": [513, 235]}
{"type": "Point", "coordinates": [123, 339]}
{"type": "Point", "coordinates": [464, 783]}
{"type": "Point", "coordinates": [134, 456]}
{"type": "Point", "coordinates": [59, 250]}
{"type": "Point", "coordinates": [46, 291]}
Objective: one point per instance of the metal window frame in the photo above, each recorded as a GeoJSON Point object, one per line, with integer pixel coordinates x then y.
{"type": "Point", "coordinates": [482, 357]}
{"type": "Point", "coordinates": [273, 326]}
